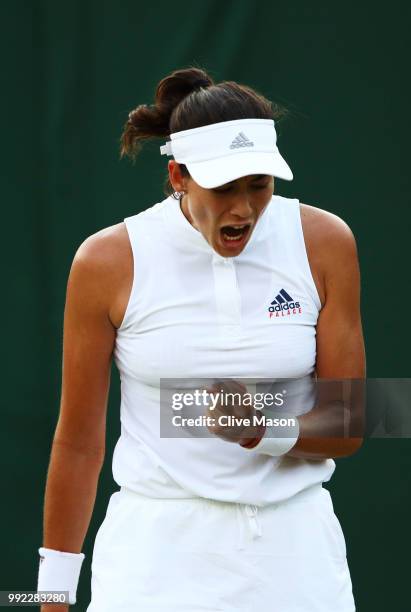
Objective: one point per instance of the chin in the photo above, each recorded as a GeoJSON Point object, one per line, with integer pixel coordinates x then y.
{"type": "Point", "coordinates": [228, 252]}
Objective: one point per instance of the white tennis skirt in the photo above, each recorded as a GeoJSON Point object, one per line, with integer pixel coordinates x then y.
{"type": "Point", "coordinates": [198, 555]}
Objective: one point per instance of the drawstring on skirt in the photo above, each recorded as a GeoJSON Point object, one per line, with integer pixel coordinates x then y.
{"type": "Point", "coordinates": [247, 518]}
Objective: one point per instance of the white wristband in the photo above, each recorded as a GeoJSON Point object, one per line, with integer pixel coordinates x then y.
{"type": "Point", "coordinates": [276, 446]}
{"type": "Point", "coordinates": [59, 571]}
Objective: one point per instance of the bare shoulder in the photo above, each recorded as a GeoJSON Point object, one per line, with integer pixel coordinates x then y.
{"type": "Point", "coordinates": [329, 241]}
{"type": "Point", "coordinates": [105, 260]}
{"type": "Point", "coordinates": [324, 226]}
{"type": "Point", "coordinates": [104, 248]}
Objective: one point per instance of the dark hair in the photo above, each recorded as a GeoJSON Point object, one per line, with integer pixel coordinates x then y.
{"type": "Point", "coordinates": [189, 98]}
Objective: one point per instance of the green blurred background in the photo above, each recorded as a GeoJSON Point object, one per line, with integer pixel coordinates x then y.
{"type": "Point", "coordinates": [71, 73]}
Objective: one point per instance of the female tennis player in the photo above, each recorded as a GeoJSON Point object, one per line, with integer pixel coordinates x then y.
{"type": "Point", "coordinates": [222, 280]}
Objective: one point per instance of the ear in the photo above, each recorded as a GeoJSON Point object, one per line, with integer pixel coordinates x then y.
{"type": "Point", "coordinates": [177, 180]}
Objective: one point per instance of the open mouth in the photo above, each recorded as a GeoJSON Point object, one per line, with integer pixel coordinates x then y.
{"type": "Point", "coordinates": [233, 236]}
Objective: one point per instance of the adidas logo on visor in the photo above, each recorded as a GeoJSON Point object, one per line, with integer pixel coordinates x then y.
{"type": "Point", "coordinates": [241, 141]}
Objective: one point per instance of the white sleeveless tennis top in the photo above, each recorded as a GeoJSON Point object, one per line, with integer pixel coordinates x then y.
{"type": "Point", "coordinates": [195, 314]}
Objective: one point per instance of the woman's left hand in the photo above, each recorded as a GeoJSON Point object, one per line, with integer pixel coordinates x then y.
{"type": "Point", "coordinates": [231, 418]}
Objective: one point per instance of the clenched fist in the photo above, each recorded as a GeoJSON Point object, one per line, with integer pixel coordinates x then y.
{"type": "Point", "coordinates": [230, 412]}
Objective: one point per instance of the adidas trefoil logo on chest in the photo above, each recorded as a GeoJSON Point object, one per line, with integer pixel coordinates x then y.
{"type": "Point", "coordinates": [284, 305]}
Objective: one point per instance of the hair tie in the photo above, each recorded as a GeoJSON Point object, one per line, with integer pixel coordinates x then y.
{"type": "Point", "coordinates": [201, 83]}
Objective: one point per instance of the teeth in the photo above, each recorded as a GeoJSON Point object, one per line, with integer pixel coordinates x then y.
{"type": "Point", "coordinates": [230, 237]}
{"type": "Point", "coordinates": [238, 236]}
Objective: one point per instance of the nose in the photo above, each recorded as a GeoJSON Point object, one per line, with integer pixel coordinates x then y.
{"type": "Point", "coordinates": [241, 207]}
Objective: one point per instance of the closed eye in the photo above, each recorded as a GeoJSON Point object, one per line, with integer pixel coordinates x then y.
{"type": "Point", "coordinates": [261, 186]}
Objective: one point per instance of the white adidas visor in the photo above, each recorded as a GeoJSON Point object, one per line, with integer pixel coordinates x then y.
{"type": "Point", "coordinates": [222, 152]}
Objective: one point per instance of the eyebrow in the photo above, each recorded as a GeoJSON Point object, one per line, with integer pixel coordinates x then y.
{"type": "Point", "coordinates": [259, 176]}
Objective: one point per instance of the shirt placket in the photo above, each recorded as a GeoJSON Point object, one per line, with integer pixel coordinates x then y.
{"type": "Point", "coordinates": [227, 296]}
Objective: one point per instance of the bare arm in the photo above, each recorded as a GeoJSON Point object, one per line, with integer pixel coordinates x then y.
{"type": "Point", "coordinates": [340, 343]}
{"type": "Point", "coordinates": [78, 446]}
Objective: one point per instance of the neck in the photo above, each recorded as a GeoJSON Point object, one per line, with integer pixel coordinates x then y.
{"type": "Point", "coordinates": [184, 209]}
